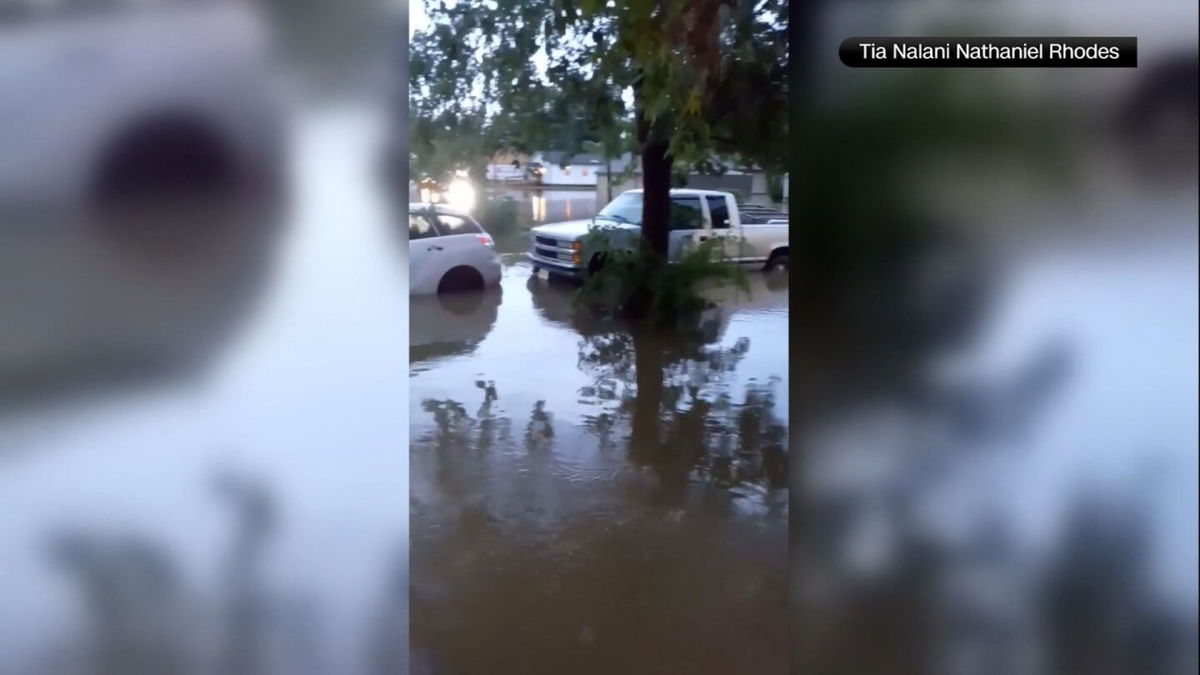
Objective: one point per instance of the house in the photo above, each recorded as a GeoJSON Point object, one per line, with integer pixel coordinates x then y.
{"type": "Point", "coordinates": [748, 185]}
{"type": "Point", "coordinates": [558, 168]}
{"type": "Point", "coordinates": [508, 167]}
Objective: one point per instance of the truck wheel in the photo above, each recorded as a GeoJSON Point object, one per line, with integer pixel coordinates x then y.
{"type": "Point", "coordinates": [778, 262]}
{"type": "Point", "coordinates": [595, 264]}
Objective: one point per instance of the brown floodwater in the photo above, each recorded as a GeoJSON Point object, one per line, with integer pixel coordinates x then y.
{"type": "Point", "coordinates": [588, 499]}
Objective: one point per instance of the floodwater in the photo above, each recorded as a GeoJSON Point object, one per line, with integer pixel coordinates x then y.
{"type": "Point", "coordinates": [551, 205]}
{"type": "Point", "coordinates": [588, 499]}
{"type": "Point", "coordinates": [998, 477]}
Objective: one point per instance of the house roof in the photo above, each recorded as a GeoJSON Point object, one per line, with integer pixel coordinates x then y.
{"type": "Point", "coordinates": [559, 158]}
{"type": "Point", "coordinates": [618, 165]}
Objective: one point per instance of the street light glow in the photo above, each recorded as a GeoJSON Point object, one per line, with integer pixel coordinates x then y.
{"type": "Point", "coordinates": [461, 194]}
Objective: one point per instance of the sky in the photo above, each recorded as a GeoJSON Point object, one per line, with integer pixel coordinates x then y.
{"type": "Point", "coordinates": [416, 17]}
{"type": "Point", "coordinates": [418, 20]}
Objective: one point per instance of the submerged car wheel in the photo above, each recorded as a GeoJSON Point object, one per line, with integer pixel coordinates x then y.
{"type": "Point", "coordinates": [461, 278]}
{"type": "Point", "coordinates": [778, 262]}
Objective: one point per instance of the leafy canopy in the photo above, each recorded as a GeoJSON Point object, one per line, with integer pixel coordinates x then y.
{"type": "Point", "coordinates": [707, 77]}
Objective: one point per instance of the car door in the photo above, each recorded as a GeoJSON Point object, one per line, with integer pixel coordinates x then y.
{"type": "Point", "coordinates": [687, 226]}
{"type": "Point", "coordinates": [426, 259]}
{"type": "Point", "coordinates": [460, 240]}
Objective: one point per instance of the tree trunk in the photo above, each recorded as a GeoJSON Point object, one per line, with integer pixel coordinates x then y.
{"type": "Point", "coordinates": [656, 197]}
{"type": "Point", "coordinates": [608, 172]}
{"type": "Point", "coordinates": [656, 179]}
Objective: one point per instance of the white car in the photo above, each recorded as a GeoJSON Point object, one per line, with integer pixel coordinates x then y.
{"type": "Point", "coordinates": [448, 251]}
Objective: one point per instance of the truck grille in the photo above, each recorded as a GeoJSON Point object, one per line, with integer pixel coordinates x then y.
{"type": "Point", "coordinates": [553, 254]}
{"type": "Point", "coordinates": [553, 249]}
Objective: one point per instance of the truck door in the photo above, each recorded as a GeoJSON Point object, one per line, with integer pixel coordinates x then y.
{"type": "Point", "coordinates": [686, 225]}
{"type": "Point", "coordinates": [724, 227]}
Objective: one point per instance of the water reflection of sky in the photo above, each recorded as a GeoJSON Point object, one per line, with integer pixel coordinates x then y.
{"type": "Point", "coordinates": [531, 353]}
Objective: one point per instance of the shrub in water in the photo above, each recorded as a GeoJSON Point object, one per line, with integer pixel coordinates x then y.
{"type": "Point", "coordinates": [635, 282]}
{"type": "Point", "coordinates": [499, 215]}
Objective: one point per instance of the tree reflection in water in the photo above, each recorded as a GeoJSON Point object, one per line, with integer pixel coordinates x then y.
{"type": "Point", "coordinates": [683, 421]}
{"type": "Point", "coordinates": [649, 537]}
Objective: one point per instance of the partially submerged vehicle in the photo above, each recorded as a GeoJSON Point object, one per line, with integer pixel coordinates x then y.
{"type": "Point", "coordinates": [448, 251]}
{"type": "Point", "coordinates": [752, 236]}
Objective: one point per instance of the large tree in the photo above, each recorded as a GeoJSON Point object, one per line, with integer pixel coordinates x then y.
{"type": "Point", "coordinates": [699, 78]}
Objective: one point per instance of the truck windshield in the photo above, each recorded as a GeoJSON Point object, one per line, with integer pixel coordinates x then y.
{"type": "Point", "coordinates": [626, 208]}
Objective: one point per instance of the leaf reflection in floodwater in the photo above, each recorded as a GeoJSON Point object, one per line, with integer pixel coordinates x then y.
{"type": "Point", "coordinates": [647, 537]}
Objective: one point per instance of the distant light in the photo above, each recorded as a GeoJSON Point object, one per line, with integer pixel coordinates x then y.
{"type": "Point", "coordinates": [461, 195]}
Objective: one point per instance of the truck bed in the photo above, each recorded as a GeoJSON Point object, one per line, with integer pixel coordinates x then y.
{"type": "Point", "coordinates": [753, 214]}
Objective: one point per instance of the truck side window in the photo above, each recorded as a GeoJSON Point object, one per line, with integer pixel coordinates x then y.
{"type": "Point", "coordinates": [719, 210]}
{"type": "Point", "coordinates": [686, 214]}
{"type": "Point", "coordinates": [420, 227]}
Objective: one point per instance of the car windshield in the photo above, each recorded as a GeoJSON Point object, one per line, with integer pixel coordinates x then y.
{"type": "Point", "coordinates": [626, 208]}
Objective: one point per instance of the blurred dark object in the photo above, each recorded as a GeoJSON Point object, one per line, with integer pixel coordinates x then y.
{"type": "Point", "coordinates": [994, 329]}
{"type": "Point", "coordinates": [133, 601]}
{"type": "Point", "coordinates": [141, 187]}
{"type": "Point", "coordinates": [1164, 89]}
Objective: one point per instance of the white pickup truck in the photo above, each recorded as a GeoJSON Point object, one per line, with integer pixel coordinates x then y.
{"type": "Point", "coordinates": [753, 236]}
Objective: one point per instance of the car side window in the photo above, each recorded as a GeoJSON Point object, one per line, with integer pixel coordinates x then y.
{"type": "Point", "coordinates": [719, 209]}
{"type": "Point", "coordinates": [448, 225]}
{"type": "Point", "coordinates": [420, 227]}
{"type": "Point", "coordinates": [686, 214]}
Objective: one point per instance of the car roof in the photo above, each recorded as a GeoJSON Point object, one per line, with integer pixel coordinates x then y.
{"type": "Point", "coordinates": [437, 208]}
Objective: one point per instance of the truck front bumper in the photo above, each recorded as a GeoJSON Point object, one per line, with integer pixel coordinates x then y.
{"type": "Point", "coordinates": [558, 267]}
